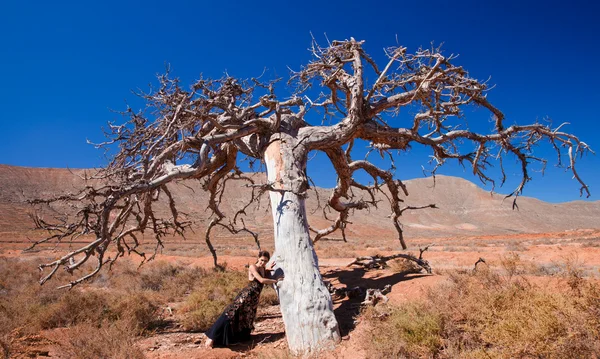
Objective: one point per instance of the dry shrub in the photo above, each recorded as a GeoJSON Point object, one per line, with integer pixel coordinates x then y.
{"type": "Point", "coordinates": [412, 330]}
{"type": "Point", "coordinates": [268, 297]}
{"type": "Point", "coordinates": [73, 307]}
{"type": "Point", "coordinates": [200, 312]}
{"type": "Point", "coordinates": [7, 321]}
{"type": "Point", "coordinates": [404, 266]}
{"type": "Point", "coordinates": [170, 280]}
{"type": "Point", "coordinates": [515, 246]}
{"type": "Point", "coordinates": [506, 318]}
{"type": "Point", "coordinates": [185, 281]}
{"type": "Point", "coordinates": [203, 306]}
{"type": "Point", "coordinates": [573, 273]}
{"type": "Point", "coordinates": [4, 345]}
{"type": "Point", "coordinates": [512, 265]}
{"type": "Point", "coordinates": [544, 269]}
{"type": "Point", "coordinates": [22, 299]}
{"type": "Point", "coordinates": [123, 276]}
{"type": "Point", "coordinates": [335, 249]}
{"type": "Point", "coordinates": [273, 353]}
{"type": "Point", "coordinates": [484, 314]}
{"type": "Point", "coordinates": [126, 299]}
{"type": "Point", "coordinates": [26, 307]}
{"type": "Point", "coordinates": [157, 274]}
{"type": "Point", "coordinates": [111, 340]}
{"type": "Point", "coordinates": [588, 242]}
{"type": "Point", "coordinates": [138, 311]}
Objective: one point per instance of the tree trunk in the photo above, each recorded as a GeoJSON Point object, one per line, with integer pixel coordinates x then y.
{"type": "Point", "coordinates": [306, 306]}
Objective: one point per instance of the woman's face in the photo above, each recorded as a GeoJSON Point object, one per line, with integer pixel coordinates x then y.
{"type": "Point", "coordinates": [262, 261]}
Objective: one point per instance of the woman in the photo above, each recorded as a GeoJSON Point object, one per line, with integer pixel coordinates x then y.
{"type": "Point", "coordinates": [236, 321]}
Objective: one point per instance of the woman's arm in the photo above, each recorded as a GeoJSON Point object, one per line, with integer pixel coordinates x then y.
{"type": "Point", "coordinates": [256, 274]}
{"type": "Point", "coordinates": [269, 270]}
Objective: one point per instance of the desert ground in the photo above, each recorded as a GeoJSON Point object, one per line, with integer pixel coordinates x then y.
{"type": "Point", "coordinates": [541, 248]}
{"type": "Point", "coordinates": [541, 259]}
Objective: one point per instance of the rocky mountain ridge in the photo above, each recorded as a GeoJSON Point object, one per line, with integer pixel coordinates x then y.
{"type": "Point", "coordinates": [464, 209]}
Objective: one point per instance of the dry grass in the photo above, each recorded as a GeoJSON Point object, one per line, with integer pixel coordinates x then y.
{"type": "Point", "coordinates": [516, 247]}
{"type": "Point", "coordinates": [285, 354]}
{"type": "Point", "coordinates": [139, 312]}
{"type": "Point", "coordinates": [117, 305]}
{"type": "Point", "coordinates": [5, 346]}
{"type": "Point", "coordinates": [268, 297]}
{"type": "Point", "coordinates": [101, 318]}
{"type": "Point", "coordinates": [71, 308]}
{"type": "Point", "coordinates": [172, 281]}
{"type": "Point", "coordinates": [408, 331]}
{"type": "Point", "coordinates": [277, 354]}
{"type": "Point", "coordinates": [336, 248]}
{"type": "Point", "coordinates": [168, 280]}
{"type": "Point", "coordinates": [589, 243]}
{"type": "Point", "coordinates": [512, 265]}
{"type": "Point", "coordinates": [203, 306]}
{"type": "Point", "coordinates": [404, 266]}
{"type": "Point", "coordinates": [459, 249]}
{"type": "Point", "coordinates": [493, 314]}
{"type": "Point", "coordinates": [113, 340]}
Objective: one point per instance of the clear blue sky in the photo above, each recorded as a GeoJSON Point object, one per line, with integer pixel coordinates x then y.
{"type": "Point", "coordinates": [65, 64]}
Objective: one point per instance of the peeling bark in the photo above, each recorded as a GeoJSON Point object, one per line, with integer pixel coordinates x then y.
{"type": "Point", "coordinates": [305, 302]}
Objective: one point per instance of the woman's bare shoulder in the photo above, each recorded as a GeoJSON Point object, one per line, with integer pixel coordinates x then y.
{"type": "Point", "coordinates": [253, 270]}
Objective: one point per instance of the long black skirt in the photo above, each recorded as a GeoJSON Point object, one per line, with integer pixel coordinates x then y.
{"type": "Point", "coordinates": [237, 320]}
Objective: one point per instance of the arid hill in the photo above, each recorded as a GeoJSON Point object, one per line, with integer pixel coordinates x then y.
{"type": "Point", "coordinates": [469, 224]}
{"type": "Point", "coordinates": [464, 209]}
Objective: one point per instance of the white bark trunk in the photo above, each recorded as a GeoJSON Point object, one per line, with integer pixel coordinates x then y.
{"type": "Point", "coordinates": [306, 306]}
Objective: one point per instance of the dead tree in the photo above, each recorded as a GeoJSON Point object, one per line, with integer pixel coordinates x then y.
{"type": "Point", "coordinates": [200, 132]}
{"type": "Point", "coordinates": [377, 261]}
{"type": "Point", "coordinates": [374, 296]}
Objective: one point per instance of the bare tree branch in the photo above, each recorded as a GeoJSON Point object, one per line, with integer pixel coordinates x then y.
{"type": "Point", "coordinates": [198, 133]}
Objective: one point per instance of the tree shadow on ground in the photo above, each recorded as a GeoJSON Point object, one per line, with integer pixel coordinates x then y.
{"type": "Point", "coordinates": [349, 308]}
{"type": "Point", "coordinates": [255, 340]}
{"type": "Point", "coordinates": [263, 335]}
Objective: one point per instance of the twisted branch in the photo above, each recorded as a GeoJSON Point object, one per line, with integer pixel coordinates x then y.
{"type": "Point", "coordinates": [198, 133]}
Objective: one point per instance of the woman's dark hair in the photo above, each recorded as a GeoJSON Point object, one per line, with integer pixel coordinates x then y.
{"type": "Point", "coordinates": [264, 254]}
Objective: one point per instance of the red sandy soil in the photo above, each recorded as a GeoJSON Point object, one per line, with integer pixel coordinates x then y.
{"type": "Point", "coordinates": [469, 224]}
{"type": "Point", "coordinates": [580, 246]}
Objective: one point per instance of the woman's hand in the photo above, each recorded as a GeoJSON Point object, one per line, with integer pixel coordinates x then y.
{"type": "Point", "coordinates": [270, 266]}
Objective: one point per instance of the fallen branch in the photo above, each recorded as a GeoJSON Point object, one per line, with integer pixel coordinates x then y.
{"type": "Point", "coordinates": [340, 293]}
{"type": "Point", "coordinates": [370, 296]}
{"type": "Point", "coordinates": [379, 262]}
{"type": "Point", "coordinates": [375, 296]}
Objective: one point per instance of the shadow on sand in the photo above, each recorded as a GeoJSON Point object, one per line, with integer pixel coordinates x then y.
{"type": "Point", "coordinates": [256, 339]}
{"type": "Point", "coordinates": [350, 307]}
{"type": "Point", "coordinates": [347, 310]}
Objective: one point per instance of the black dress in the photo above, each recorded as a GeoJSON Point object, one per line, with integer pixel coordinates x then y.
{"type": "Point", "coordinates": [237, 320]}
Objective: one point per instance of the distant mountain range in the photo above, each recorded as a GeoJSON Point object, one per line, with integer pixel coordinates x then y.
{"type": "Point", "coordinates": [464, 209]}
